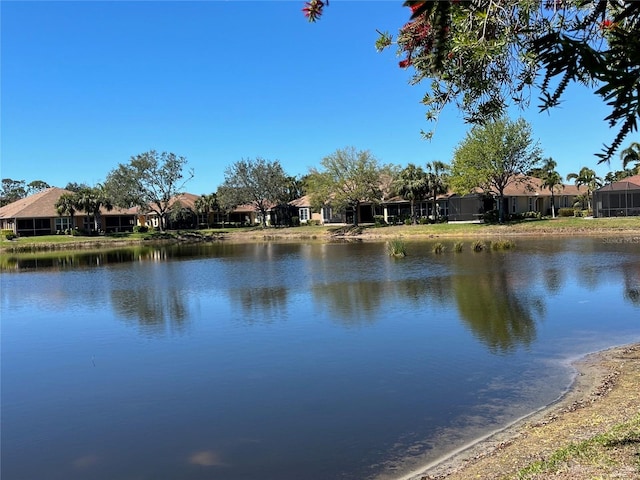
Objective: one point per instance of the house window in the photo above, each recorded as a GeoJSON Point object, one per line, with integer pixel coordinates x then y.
{"type": "Point", "coordinates": [63, 223]}
{"type": "Point", "coordinates": [304, 214]}
{"type": "Point", "coordinates": [531, 203]}
{"type": "Point", "coordinates": [514, 204]}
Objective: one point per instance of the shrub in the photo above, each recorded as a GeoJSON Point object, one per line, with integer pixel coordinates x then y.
{"type": "Point", "coordinates": [295, 221]}
{"type": "Point", "coordinates": [478, 246]}
{"type": "Point", "coordinates": [396, 247]}
{"type": "Point", "coordinates": [490, 216]}
{"type": "Point", "coordinates": [566, 212]}
{"type": "Point", "coordinates": [503, 245]}
{"type": "Point", "coordinates": [424, 220]}
{"type": "Point", "coordinates": [9, 235]}
{"type": "Point", "coordinates": [379, 220]}
{"type": "Point", "coordinates": [457, 247]}
{"type": "Point", "coordinates": [140, 229]}
{"type": "Point", "coordinates": [407, 221]}
{"type": "Point", "coordinates": [438, 248]}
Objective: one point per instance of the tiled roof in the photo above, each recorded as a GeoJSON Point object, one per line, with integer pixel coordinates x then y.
{"type": "Point", "coordinates": [42, 205]}
{"type": "Point", "coordinates": [629, 183]}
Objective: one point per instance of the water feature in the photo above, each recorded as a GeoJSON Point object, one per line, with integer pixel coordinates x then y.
{"type": "Point", "coordinates": [282, 361]}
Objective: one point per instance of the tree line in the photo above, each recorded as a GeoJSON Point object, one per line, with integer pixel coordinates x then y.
{"type": "Point", "coordinates": [491, 157]}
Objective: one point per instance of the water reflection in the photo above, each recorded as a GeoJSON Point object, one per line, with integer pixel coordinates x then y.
{"type": "Point", "coordinates": [262, 302]}
{"type": "Point", "coordinates": [495, 312]}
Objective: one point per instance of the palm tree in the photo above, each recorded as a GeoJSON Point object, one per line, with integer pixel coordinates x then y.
{"type": "Point", "coordinates": [589, 179]}
{"type": "Point", "coordinates": [206, 204]}
{"type": "Point", "coordinates": [437, 179]}
{"type": "Point", "coordinates": [412, 185]}
{"type": "Point", "coordinates": [91, 200]}
{"type": "Point", "coordinates": [551, 179]}
{"type": "Point", "coordinates": [67, 205]}
{"type": "Point", "coordinates": [631, 154]}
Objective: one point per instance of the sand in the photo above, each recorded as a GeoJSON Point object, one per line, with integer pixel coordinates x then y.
{"type": "Point", "coordinates": [605, 393]}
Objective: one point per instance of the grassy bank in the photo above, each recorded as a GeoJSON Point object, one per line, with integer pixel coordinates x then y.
{"type": "Point", "coordinates": [559, 226]}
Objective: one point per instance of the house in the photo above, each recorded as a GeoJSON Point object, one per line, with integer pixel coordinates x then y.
{"type": "Point", "coordinates": [526, 194]}
{"type": "Point", "coordinates": [618, 199]}
{"type": "Point", "coordinates": [37, 215]}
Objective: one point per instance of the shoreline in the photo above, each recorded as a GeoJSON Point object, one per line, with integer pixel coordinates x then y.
{"type": "Point", "coordinates": [600, 380]}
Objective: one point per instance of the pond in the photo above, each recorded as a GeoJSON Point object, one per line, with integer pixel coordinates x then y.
{"type": "Point", "coordinates": [286, 361]}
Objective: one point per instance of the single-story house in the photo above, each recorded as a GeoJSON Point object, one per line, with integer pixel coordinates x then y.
{"type": "Point", "coordinates": [37, 215]}
{"type": "Point", "coordinates": [618, 199]}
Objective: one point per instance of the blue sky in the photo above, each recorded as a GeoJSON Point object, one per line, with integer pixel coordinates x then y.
{"type": "Point", "coordinates": [86, 85]}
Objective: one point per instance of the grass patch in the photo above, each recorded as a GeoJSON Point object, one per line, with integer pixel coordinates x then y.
{"type": "Point", "coordinates": [478, 246]}
{"type": "Point", "coordinates": [396, 247]}
{"type": "Point", "coordinates": [438, 248]}
{"type": "Point", "coordinates": [604, 451]}
{"type": "Point", "coordinates": [457, 247]}
{"type": "Point", "coordinates": [503, 245]}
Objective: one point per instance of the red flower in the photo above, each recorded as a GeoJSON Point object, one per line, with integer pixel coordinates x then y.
{"type": "Point", "coordinates": [313, 9]}
{"type": "Point", "coordinates": [404, 63]}
{"type": "Point", "coordinates": [606, 24]}
{"type": "Point", "coordinates": [415, 6]}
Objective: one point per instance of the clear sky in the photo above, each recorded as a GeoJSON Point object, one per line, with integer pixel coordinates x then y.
{"type": "Point", "coordinates": [88, 84]}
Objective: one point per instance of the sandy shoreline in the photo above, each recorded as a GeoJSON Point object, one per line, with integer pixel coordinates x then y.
{"type": "Point", "coordinates": [604, 393]}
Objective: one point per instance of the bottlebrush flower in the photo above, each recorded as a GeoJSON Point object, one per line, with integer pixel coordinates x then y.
{"type": "Point", "coordinates": [606, 24]}
{"type": "Point", "coordinates": [404, 63]}
{"type": "Point", "coordinates": [313, 9]}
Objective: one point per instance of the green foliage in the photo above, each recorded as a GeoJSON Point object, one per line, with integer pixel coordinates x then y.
{"type": "Point", "coordinates": [566, 212]}
{"type": "Point", "coordinates": [484, 56]}
{"type": "Point", "coordinates": [478, 246]}
{"type": "Point", "coordinates": [503, 244]}
{"type": "Point", "coordinates": [494, 156]}
{"type": "Point", "coordinates": [396, 247]}
{"type": "Point", "coordinates": [347, 178]}
{"type": "Point", "coordinates": [457, 247]}
{"type": "Point", "coordinates": [438, 248]}
{"type": "Point", "coordinates": [8, 234]}
{"type": "Point", "coordinates": [379, 221]}
{"type": "Point", "coordinates": [261, 183]}
{"type": "Point", "coordinates": [140, 229]}
{"type": "Point", "coordinates": [412, 184]}
{"type": "Point", "coordinates": [150, 181]}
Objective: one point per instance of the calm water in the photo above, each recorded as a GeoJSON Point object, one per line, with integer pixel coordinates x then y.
{"type": "Point", "coordinates": [289, 361]}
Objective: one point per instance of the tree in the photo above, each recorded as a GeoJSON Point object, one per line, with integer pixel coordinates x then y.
{"type": "Point", "coordinates": [412, 185]}
{"type": "Point", "coordinates": [551, 179]}
{"type": "Point", "coordinates": [205, 204]}
{"type": "Point", "coordinates": [76, 187]}
{"type": "Point", "coordinates": [36, 186]}
{"type": "Point", "coordinates": [348, 178]}
{"type": "Point", "coordinates": [631, 154]}
{"type": "Point", "coordinates": [261, 183]}
{"type": "Point", "coordinates": [150, 180]}
{"type": "Point", "coordinates": [437, 179]}
{"type": "Point", "coordinates": [67, 204]}
{"type": "Point", "coordinates": [588, 178]}
{"type": "Point", "coordinates": [12, 190]}
{"type": "Point", "coordinates": [494, 156]}
{"type": "Point", "coordinates": [482, 56]}
{"type": "Point", "coordinates": [91, 200]}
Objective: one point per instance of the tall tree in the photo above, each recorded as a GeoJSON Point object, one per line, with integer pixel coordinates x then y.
{"type": "Point", "coordinates": [631, 154]}
{"type": "Point", "coordinates": [348, 178]}
{"type": "Point", "coordinates": [150, 180]}
{"type": "Point", "coordinates": [12, 190]}
{"type": "Point", "coordinates": [586, 177]}
{"type": "Point", "coordinates": [205, 205]}
{"type": "Point", "coordinates": [91, 201]}
{"type": "Point", "coordinates": [483, 56]}
{"type": "Point", "coordinates": [437, 178]}
{"type": "Point", "coordinates": [411, 183]}
{"type": "Point", "coordinates": [67, 205]}
{"type": "Point", "coordinates": [494, 156]}
{"type": "Point", "coordinates": [76, 186]}
{"type": "Point", "coordinates": [261, 183]}
{"type": "Point", "coordinates": [36, 186]}
{"type": "Point", "coordinates": [551, 179]}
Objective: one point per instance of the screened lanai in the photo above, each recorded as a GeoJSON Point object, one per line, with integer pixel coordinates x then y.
{"type": "Point", "coordinates": [618, 199]}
